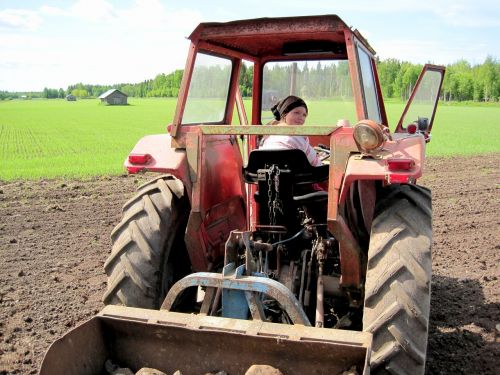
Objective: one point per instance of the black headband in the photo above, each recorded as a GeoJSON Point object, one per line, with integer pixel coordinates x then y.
{"type": "Point", "coordinates": [286, 105]}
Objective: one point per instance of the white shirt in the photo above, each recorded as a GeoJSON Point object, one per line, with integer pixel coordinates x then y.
{"type": "Point", "coordinates": [278, 142]}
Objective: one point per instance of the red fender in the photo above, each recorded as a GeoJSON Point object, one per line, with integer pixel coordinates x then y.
{"type": "Point", "coordinates": [159, 157]}
{"type": "Point", "coordinates": [410, 148]}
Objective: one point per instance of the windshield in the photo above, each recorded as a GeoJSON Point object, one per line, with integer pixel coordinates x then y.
{"type": "Point", "coordinates": [208, 91]}
{"type": "Point", "coordinates": [324, 85]}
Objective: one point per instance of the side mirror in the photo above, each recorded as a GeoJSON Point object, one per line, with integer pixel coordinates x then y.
{"type": "Point", "coordinates": [423, 124]}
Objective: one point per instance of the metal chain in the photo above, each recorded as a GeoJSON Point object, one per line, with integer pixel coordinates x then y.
{"type": "Point", "coordinates": [270, 195]}
{"type": "Point", "coordinates": [275, 205]}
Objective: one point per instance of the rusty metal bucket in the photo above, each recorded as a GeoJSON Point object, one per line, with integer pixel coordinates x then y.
{"type": "Point", "coordinates": [197, 344]}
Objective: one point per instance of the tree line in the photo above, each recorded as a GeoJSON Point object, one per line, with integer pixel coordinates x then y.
{"type": "Point", "coordinates": [463, 82]}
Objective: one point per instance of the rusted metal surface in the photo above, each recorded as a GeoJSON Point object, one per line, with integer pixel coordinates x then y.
{"type": "Point", "coordinates": [196, 344]}
{"type": "Point", "coordinates": [214, 161]}
{"type": "Point", "coordinates": [272, 288]}
{"type": "Point", "coordinates": [267, 130]}
{"type": "Point", "coordinates": [192, 151]}
{"type": "Point", "coordinates": [251, 37]}
{"type": "Point", "coordinates": [342, 144]}
{"type": "Point", "coordinates": [350, 254]}
{"type": "Point", "coordinates": [367, 197]}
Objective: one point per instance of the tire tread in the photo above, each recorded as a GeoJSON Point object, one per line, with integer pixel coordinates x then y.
{"type": "Point", "coordinates": [142, 240]}
{"type": "Point", "coordinates": [397, 289]}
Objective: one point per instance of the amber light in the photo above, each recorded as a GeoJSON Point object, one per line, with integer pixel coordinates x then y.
{"type": "Point", "coordinates": [139, 158]}
{"type": "Point", "coordinates": [400, 164]}
{"type": "Point", "coordinates": [368, 135]}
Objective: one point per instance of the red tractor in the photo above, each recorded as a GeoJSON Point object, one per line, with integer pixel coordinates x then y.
{"type": "Point", "coordinates": [231, 234]}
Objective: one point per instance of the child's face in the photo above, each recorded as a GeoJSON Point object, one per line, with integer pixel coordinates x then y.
{"type": "Point", "coordinates": [296, 116]}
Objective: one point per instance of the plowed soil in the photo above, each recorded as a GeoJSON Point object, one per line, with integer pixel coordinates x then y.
{"type": "Point", "coordinates": [54, 239]}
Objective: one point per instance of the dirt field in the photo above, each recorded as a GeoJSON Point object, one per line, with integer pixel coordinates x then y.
{"type": "Point", "coordinates": [54, 239]}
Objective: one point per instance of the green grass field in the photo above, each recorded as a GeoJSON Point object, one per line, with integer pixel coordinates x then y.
{"type": "Point", "coordinates": [54, 138]}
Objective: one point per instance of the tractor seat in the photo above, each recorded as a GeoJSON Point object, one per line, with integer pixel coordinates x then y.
{"type": "Point", "coordinates": [292, 160]}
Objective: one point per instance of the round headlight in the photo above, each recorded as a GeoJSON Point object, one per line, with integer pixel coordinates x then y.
{"type": "Point", "coordinates": [368, 135]}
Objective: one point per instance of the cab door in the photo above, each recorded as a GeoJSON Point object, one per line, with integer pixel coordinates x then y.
{"type": "Point", "coordinates": [421, 107]}
{"type": "Point", "coordinates": [217, 194]}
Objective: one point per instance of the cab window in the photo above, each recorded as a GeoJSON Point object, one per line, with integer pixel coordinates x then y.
{"type": "Point", "coordinates": [325, 85]}
{"type": "Point", "coordinates": [208, 91]}
{"type": "Point", "coordinates": [368, 85]}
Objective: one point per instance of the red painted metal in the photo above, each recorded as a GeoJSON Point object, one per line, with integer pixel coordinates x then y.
{"type": "Point", "coordinates": [375, 168]}
{"type": "Point", "coordinates": [403, 164]}
{"type": "Point", "coordinates": [139, 158]}
{"type": "Point", "coordinates": [218, 196]}
{"type": "Point", "coordinates": [252, 37]}
{"type": "Point", "coordinates": [163, 158]}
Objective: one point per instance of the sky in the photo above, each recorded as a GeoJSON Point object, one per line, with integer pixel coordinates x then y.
{"type": "Point", "coordinates": [56, 43]}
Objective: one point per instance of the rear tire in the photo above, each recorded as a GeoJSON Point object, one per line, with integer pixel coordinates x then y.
{"type": "Point", "coordinates": [148, 253]}
{"type": "Point", "coordinates": [397, 289]}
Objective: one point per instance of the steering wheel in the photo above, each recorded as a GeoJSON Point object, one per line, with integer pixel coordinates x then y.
{"type": "Point", "coordinates": [322, 151]}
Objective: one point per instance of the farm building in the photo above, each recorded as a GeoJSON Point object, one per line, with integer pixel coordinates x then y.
{"type": "Point", "coordinates": [70, 98]}
{"type": "Point", "coordinates": [114, 97]}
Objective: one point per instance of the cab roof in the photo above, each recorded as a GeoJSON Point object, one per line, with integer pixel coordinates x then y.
{"type": "Point", "coordinates": [260, 37]}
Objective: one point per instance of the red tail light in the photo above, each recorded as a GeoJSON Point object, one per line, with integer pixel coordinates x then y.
{"type": "Point", "coordinates": [411, 128]}
{"type": "Point", "coordinates": [400, 164]}
{"type": "Point", "coordinates": [139, 158]}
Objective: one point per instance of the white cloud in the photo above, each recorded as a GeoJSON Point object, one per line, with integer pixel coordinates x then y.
{"type": "Point", "coordinates": [473, 14]}
{"type": "Point", "coordinates": [93, 10]}
{"type": "Point", "coordinates": [144, 14]}
{"type": "Point", "coordinates": [53, 11]}
{"type": "Point", "coordinates": [20, 19]}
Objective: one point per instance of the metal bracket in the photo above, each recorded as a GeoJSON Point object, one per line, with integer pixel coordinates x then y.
{"type": "Point", "coordinates": [251, 286]}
